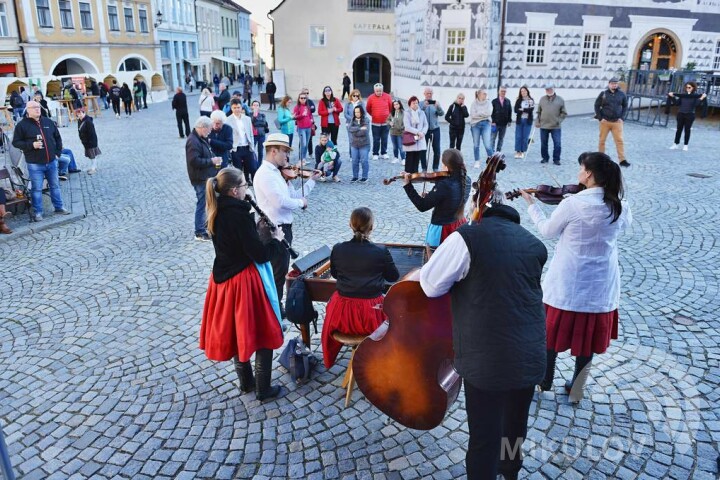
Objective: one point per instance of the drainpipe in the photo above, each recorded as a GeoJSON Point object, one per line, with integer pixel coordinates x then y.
{"type": "Point", "coordinates": [272, 20]}
{"type": "Point", "coordinates": [20, 40]}
{"type": "Point", "coordinates": [502, 41]}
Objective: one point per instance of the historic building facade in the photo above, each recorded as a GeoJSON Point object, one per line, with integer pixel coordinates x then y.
{"type": "Point", "coordinates": [178, 39]}
{"type": "Point", "coordinates": [12, 63]}
{"type": "Point", "coordinates": [86, 37]}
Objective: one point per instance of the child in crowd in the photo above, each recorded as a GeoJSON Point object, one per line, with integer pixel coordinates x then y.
{"type": "Point", "coordinates": [327, 158]}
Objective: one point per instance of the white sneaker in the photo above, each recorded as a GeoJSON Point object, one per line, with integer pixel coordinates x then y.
{"type": "Point", "coordinates": [674, 146]}
{"type": "Point", "coordinates": [321, 179]}
{"type": "Point", "coordinates": [395, 160]}
{"type": "Point", "coordinates": [117, 115]}
{"type": "Point", "coordinates": [91, 171]}
{"type": "Point", "coordinates": [375, 157]}
{"type": "Point", "coordinates": [402, 162]}
{"type": "Point", "coordinates": [477, 165]}
{"type": "Point", "coordinates": [384, 157]}
{"type": "Point", "coordinates": [685, 149]}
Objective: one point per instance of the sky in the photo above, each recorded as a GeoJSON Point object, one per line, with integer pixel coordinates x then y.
{"type": "Point", "coordinates": [259, 9]}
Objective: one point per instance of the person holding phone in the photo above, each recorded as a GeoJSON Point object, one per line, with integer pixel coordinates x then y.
{"type": "Point", "coordinates": [201, 165]}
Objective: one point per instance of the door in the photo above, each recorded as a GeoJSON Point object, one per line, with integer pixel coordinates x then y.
{"type": "Point", "coordinates": [658, 52]}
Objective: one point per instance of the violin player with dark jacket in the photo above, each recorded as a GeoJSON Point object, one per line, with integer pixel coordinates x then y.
{"type": "Point", "coordinates": [361, 268]}
{"type": "Point", "coordinates": [447, 198]}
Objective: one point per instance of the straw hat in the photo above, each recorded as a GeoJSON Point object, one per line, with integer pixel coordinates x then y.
{"type": "Point", "coordinates": [277, 139]}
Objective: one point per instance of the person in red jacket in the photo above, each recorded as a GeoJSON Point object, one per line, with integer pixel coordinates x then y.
{"type": "Point", "coordinates": [379, 107]}
{"type": "Point", "coordinates": [329, 110]}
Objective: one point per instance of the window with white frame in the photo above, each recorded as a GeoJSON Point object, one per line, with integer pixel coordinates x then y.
{"type": "Point", "coordinates": [85, 16]}
{"type": "Point", "coordinates": [4, 31]}
{"type": "Point", "coordinates": [129, 20]}
{"type": "Point", "coordinates": [43, 13]}
{"type": "Point", "coordinates": [164, 48]}
{"type": "Point", "coordinates": [716, 61]}
{"type": "Point", "coordinates": [143, 20]}
{"type": "Point", "coordinates": [317, 36]}
{"type": "Point", "coordinates": [113, 20]}
{"type": "Point", "coordinates": [455, 43]}
{"type": "Point", "coordinates": [536, 48]}
{"type": "Point", "coordinates": [66, 18]}
{"type": "Point", "coordinates": [591, 50]}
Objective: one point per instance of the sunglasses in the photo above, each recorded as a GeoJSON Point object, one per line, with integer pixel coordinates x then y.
{"type": "Point", "coordinates": [356, 96]}
{"type": "Point", "coordinates": [303, 98]}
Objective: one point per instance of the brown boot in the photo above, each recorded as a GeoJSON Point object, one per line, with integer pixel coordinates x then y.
{"type": "Point", "coordinates": [4, 228]}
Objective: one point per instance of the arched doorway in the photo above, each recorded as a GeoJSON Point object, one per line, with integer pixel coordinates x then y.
{"type": "Point", "coordinates": [658, 51]}
{"type": "Point", "coordinates": [73, 66]}
{"type": "Point", "coordinates": [133, 64]}
{"type": "Point", "coordinates": [369, 69]}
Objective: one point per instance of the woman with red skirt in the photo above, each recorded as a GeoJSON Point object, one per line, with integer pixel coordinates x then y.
{"type": "Point", "coordinates": [581, 289]}
{"type": "Point", "coordinates": [361, 269]}
{"type": "Point", "coordinates": [447, 198]}
{"type": "Point", "coordinates": [242, 313]}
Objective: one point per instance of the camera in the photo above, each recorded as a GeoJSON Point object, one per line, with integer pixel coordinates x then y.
{"type": "Point", "coordinates": [431, 102]}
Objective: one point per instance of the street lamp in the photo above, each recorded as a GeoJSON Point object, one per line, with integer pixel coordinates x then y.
{"type": "Point", "coordinates": [158, 19]}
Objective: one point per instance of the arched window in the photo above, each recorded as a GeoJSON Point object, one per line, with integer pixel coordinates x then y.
{"type": "Point", "coordinates": [133, 64]}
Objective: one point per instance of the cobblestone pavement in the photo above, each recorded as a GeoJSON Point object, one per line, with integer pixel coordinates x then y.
{"type": "Point", "coordinates": [102, 376]}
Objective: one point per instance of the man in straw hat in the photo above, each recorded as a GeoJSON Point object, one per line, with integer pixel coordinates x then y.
{"type": "Point", "coordinates": [278, 198]}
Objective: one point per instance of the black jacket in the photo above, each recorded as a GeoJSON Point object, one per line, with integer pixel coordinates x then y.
{"type": "Point", "coordinates": [456, 116]}
{"type": "Point", "coordinates": [115, 92]}
{"type": "Point", "coordinates": [222, 99]}
{"type": "Point", "coordinates": [95, 89]}
{"type": "Point", "coordinates": [26, 132]}
{"type": "Point", "coordinates": [126, 94]}
{"type": "Point", "coordinates": [688, 101]}
{"type": "Point", "coordinates": [362, 268]}
{"type": "Point", "coordinates": [498, 313]}
{"type": "Point", "coordinates": [501, 114]}
{"type": "Point", "coordinates": [445, 198]}
{"type": "Point", "coordinates": [44, 109]}
{"type": "Point", "coordinates": [260, 124]}
{"type": "Point", "coordinates": [179, 104]}
{"type": "Point", "coordinates": [86, 130]}
{"type": "Point", "coordinates": [611, 106]}
{"type": "Point", "coordinates": [519, 110]}
{"type": "Point", "coordinates": [198, 157]}
{"type": "Point", "coordinates": [346, 81]}
{"type": "Point", "coordinates": [236, 240]}
{"type": "Point", "coordinates": [221, 142]}
{"type": "Point", "coordinates": [270, 87]}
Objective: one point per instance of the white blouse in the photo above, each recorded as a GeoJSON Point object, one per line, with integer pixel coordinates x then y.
{"type": "Point", "coordinates": [583, 275]}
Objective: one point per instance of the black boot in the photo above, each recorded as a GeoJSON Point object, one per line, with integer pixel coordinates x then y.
{"type": "Point", "coordinates": [582, 368]}
{"type": "Point", "coordinates": [245, 375]}
{"type": "Point", "coordinates": [547, 382]}
{"type": "Point", "coordinates": [263, 372]}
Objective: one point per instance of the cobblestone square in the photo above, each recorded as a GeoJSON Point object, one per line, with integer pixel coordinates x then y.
{"type": "Point", "coordinates": [102, 376]}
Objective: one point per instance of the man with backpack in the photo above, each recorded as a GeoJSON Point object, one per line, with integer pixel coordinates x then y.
{"type": "Point", "coordinates": [610, 108]}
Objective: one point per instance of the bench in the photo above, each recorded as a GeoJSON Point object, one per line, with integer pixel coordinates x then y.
{"type": "Point", "coordinates": [23, 200]}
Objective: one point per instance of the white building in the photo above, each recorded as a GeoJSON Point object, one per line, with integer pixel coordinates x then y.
{"type": "Point", "coordinates": [244, 38]}
{"type": "Point", "coordinates": [178, 41]}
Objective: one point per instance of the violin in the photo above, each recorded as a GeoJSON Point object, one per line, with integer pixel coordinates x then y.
{"type": "Point", "coordinates": [486, 184]}
{"type": "Point", "coordinates": [547, 193]}
{"type": "Point", "coordinates": [419, 177]}
{"type": "Point", "coordinates": [291, 172]}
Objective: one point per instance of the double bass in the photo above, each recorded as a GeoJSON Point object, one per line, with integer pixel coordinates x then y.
{"type": "Point", "coordinates": [405, 367]}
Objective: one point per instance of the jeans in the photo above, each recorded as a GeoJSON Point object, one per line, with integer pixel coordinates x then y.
{"type": "Point", "coordinates": [481, 131]}
{"type": "Point", "coordinates": [200, 219]}
{"type": "Point", "coordinates": [499, 134]}
{"type": "Point", "coordinates": [380, 139]}
{"type": "Point", "coordinates": [66, 162]}
{"type": "Point", "coordinates": [104, 100]}
{"type": "Point", "coordinates": [456, 137]}
{"type": "Point", "coordinates": [556, 138]}
{"type": "Point", "coordinates": [271, 101]}
{"type": "Point", "coordinates": [337, 163]}
{"type": "Point", "coordinates": [497, 423]}
{"type": "Point", "coordinates": [398, 151]}
{"type": "Point", "coordinates": [304, 136]}
{"type": "Point", "coordinates": [433, 138]}
{"type": "Point", "coordinates": [522, 134]}
{"type": "Point", "coordinates": [360, 155]}
{"type": "Point", "coordinates": [38, 172]}
{"type": "Point", "coordinates": [684, 122]}
{"type": "Point", "coordinates": [259, 140]}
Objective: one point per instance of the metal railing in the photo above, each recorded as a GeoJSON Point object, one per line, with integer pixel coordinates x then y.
{"type": "Point", "coordinates": [657, 83]}
{"type": "Point", "coordinates": [371, 5]}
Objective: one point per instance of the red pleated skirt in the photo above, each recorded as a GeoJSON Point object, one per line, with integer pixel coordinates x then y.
{"type": "Point", "coordinates": [450, 228]}
{"type": "Point", "coordinates": [582, 333]}
{"type": "Point", "coordinates": [238, 318]}
{"type": "Point", "coordinates": [352, 316]}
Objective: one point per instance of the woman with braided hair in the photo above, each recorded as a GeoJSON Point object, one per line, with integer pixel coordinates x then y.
{"type": "Point", "coordinates": [447, 198]}
{"type": "Point", "coordinates": [581, 289]}
{"type": "Point", "coordinates": [241, 316]}
{"type": "Point", "coordinates": [361, 268]}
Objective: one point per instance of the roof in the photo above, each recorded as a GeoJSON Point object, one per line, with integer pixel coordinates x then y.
{"type": "Point", "coordinates": [235, 6]}
{"type": "Point", "coordinates": [276, 8]}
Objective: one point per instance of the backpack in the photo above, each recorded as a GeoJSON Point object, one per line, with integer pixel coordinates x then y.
{"type": "Point", "coordinates": [298, 360]}
{"type": "Point", "coordinates": [17, 102]}
{"type": "Point", "coordinates": [298, 305]}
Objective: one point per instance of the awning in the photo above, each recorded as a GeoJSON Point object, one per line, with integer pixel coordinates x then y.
{"type": "Point", "coordinates": [227, 59]}
{"type": "Point", "coordinates": [8, 60]}
{"type": "Point", "coordinates": [193, 61]}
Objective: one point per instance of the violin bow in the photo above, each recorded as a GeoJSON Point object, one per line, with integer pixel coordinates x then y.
{"type": "Point", "coordinates": [553, 177]}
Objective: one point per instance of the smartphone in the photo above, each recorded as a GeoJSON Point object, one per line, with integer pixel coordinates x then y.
{"type": "Point", "coordinates": [431, 102]}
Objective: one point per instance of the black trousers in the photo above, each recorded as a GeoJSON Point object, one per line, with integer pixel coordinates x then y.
{"type": "Point", "coordinates": [346, 91]}
{"type": "Point", "coordinates": [332, 130]}
{"type": "Point", "coordinates": [244, 159]}
{"type": "Point", "coordinates": [128, 107]}
{"type": "Point", "coordinates": [144, 97]}
{"type": "Point", "coordinates": [497, 422]}
{"type": "Point", "coordinates": [183, 118]}
{"type": "Point", "coordinates": [456, 137]}
{"type": "Point", "coordinates": [271, 101]}
{"type": "Point", "coordinates": [281, 263]}
{"type": "Point", "coordinates": [412, 161]}
{"type": "Point", "coordinates": [684, 122]}
{"type": "Point", "coordinates": [116, 105]}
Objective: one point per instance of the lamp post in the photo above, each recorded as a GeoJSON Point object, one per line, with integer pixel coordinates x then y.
{"type": "Point", "coordinates": [158, 19]}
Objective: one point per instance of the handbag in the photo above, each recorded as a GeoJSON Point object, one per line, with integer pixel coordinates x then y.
{"type": "Point", "coordinates": [298, 360]}
{"type": "Point", "coordinates": [409, 139]}
{"type": "Point", "coordinates": [313, 129]}
{"type": "Point", "coordinates": [278, 125]}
